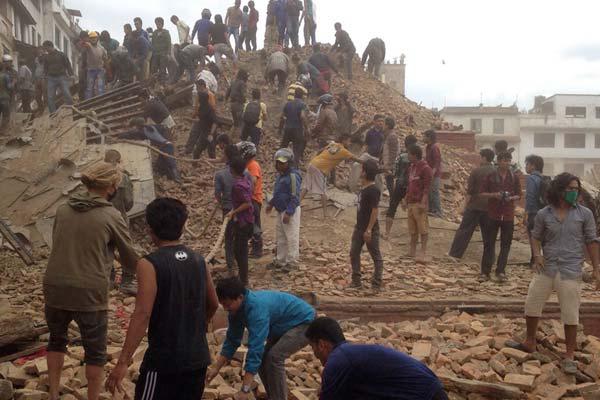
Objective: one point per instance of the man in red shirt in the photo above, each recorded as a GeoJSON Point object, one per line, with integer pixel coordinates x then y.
{"type": "Point", "coordinates": [502, 188]}
{"type": "Point", "coordinates": [433, 155]}
{"type": "Point", "coordinates": [252, 26]}
{"type": "Point", "coordinates": [417, 200]}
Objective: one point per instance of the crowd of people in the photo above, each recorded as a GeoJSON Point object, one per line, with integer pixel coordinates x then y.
{"type": "Point", "coordinates": [176, 297]}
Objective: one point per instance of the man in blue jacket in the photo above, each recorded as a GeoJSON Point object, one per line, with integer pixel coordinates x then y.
{"type": "Point", "coordinates": [367, 371]}
{"type": "Point", "coordinates": [286, 200]}
{"type": "Point", "coordinates": [278, 318]}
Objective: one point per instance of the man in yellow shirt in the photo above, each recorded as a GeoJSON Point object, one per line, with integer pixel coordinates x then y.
{"type": "Point", "coordinates": [321, 166]}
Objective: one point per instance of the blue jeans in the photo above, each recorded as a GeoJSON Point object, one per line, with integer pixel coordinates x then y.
{"type": "Point", "coordinates": [434, 197]}
{"type": "Point", "coordinates": [293, 25]}
{"type": "Point", "coordinates": [236, 36]}
{"type": "Point", "coordinates": [94, 76]}
{"type": "Point", "coordinates": [55, 82]}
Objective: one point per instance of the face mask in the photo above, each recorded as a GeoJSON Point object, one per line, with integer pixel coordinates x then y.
{"type": "Point", "coordinates": [571, 197]}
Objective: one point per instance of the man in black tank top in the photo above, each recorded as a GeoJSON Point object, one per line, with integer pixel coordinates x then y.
{"type": "Point", "coordinates": [176, 299]}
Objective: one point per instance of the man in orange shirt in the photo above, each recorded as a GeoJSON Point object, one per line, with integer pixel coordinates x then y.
{"type": "Point", "coordinates": [321, 166]}
{"type": "Point", "coordinates": [248, 153]}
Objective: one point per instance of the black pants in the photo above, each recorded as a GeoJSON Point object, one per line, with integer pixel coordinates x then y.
{"type": "Point", "coordinates": [201, 131]}
{"type": "Point", "coordinates": [159, 63]}
{"type": "Point", "coordinates": [373, 247]}
{"type": "Point", "coordinates": [396, 197]}
{"type": "Point", "coordinates": [470, 220]}
{"type": "Point", "coordinates": [506, 229]}
{"type": "Point", "coordinates": [241, 235]}
{"type": "Point", "coordinates": [181, 386]}
{"type": "Point", "coordinates": [251, 132]}
{"type": "Point", "coordinates": [257, 242]}
{"type": "Point", "coordinates": [281, 78]}
{"type": "Point", "coordinates": [296, 136]}
{"type": "Point", "coordinates": [389, 184]}
{"type": "Point", "coordinates": [237, 111]}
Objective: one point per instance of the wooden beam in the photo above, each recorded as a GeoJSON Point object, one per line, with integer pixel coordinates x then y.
{"type": "Point", "coordinates": [15, 242]}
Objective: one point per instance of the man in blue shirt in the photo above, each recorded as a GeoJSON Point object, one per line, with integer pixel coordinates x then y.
{"type": "Point", "coordinates": [564, 230]}
{"type": "Point", "coordinates": [294, 125]}
{"type": "Point", "coordinates": [278, 318]}
{"type": "Point", "coordinates": [375, 138]}
{"type": "Point", "coordinates": [286, 201]}
{"type": "Point", "coordinates": [355, 371]}
{"type": "Point", "coordinates": [534, 166]}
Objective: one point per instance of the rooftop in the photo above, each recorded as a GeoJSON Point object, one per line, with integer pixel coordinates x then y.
{"type": "Point", "coordinates": [512, 110]}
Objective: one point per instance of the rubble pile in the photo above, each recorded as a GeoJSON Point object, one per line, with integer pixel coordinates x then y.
{"type": "Point", "coordinates": [466, 351]}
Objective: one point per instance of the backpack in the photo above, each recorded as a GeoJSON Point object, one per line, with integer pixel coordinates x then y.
{"type": "Point", "coordinates": [542, 199]}
{"type": "Point", "coordinates": [252, 113]}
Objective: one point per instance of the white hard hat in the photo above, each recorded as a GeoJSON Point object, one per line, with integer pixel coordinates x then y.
{"type": "Point", "coordinates": [7, 57]}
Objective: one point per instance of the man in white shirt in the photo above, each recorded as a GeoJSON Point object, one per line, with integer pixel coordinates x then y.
{"type": "Point", "coordinates": [183, 29]}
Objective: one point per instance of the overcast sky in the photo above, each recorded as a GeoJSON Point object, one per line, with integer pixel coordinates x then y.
{"type": "Point", "coordinates": [495, 52]}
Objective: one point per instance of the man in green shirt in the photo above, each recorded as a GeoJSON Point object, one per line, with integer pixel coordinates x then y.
{"type": "Point", "coordinates": [161, 49]}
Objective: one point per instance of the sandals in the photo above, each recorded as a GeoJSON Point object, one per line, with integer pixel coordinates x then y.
{"type": "Point", "coordinates": [518, 346]}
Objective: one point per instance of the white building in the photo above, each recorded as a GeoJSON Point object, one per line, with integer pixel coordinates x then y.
{"type": "Point", "coordinates": [25, 24]}
{"type": "Point", "coordinates": [565, 130]}
{"type": "Point", "coordinates": [489, 124]}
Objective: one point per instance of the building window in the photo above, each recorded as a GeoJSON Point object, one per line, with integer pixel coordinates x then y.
{"type": "Point", "coordinates": [57, 37]}
{"type": "Point", "coordinates": [476, 125]}
{"type": "Point", "coordinates": [543, 140]}
{"type": "Point", "coordinates": [66, 47]}
{"type": "Point", "coordinates": [598, 112]}
{"type": "Point", "coordinates": [498, 126]}
{"type": "Point", "coordinates": [575, 112]}
{"type": "Point", "coordinates": [575, 141]}
{"type": "Point", "coordinates": [577, 169]}
{"type": "Point", "coordinates": [33, 36]}
{"type": "Point", "coordinates": [597, 141]}
{"type": "Point", "coordinates": [39, 39]}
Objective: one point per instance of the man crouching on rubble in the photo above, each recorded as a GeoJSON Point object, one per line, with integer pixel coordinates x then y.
{"type": "Point", "coordinates": [280, 319]}
{"type": "Point", "coordinates": [368, 371]}
{"type": "Point", "coordinates": [87, 230]}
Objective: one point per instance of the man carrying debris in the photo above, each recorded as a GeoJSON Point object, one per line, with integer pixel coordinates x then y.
{"type": "Point", "coordinates": [25, 85]}
{"type": "Point", "coordinates": [280, 319]}
{"type": "Point", "coordinates": [315, 181]}
{"type": "Point", "coordinates": [433, 155]}
{"type": "Point", "coordinates": [375, 53]}
{"type": "Point", "coordinates": [96, 58]}
{"type": "Point", "coordinates": [123, 68]}
{"type": "Point", "coordinates": [190, 56]}
{"type": "Point", "coordinates": [57, 69]}
{"type": "Point", "coordinates": [156, 111]}
{"type": "Point", "coordinates": [286, 201]}
{"type": "Point", "coordinates": [123, 202]}
{"type": "Point", "coordinates": [301, 83]}
{"type": "Point", "coordinates": [254, 115]}
{"type": "Point", "coordinates": [501, 188]}
{"type": "Point", "coordinates": [417, 201]}
{"type": "Point", "coordinates": [401, 167]}
{"type": "Point", "coordinates": [39, 80]}
{"type": "Point", "coordinates": [535, 193]}
{"type": "Point", "coordinates": [175, 304]}
{"type": "Point", "coordinates": [366, 229]}
{"type": "Point", "coordinates": [564, 230]}
{"type": "Point", "coordinates": [248, 153]}
{"type": "Point", "coordinates": [294, 126]}
{"type": "Point", "coordinates": [237, 97]}
{"type": "Point", "coordinates": [325, 65]}
{"type": "Point", "coordinates": [368, 371]}
{"type": "Point", "coordinates": [344, 45]}
{"type": "Point", "coordinates": [278, 67]}
{"type": "Point", "coordinates": [476, 207]}
{"type": "Point", "coordinates": [161, 49]}
{"type": "Point", "coordinates": [326, 127]}
{"type": "Point", "coordinates": [87, 231]}
{"type": "Point", "coordinates": [202, 135]}
{"type": "Point", "coordinates": [165, 163]}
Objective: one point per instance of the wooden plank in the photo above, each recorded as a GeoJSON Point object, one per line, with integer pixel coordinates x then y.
{"type": "Point", "coordinates": [117, 103]}
{"type": "Point", "coordinates": [111, 112]}
{"type": "Point", "coordinates": [16, 328]}
{"type": "Point", "coordinates": [15, 242]}
{"type": "Point", "coordinates": [94, 100]}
